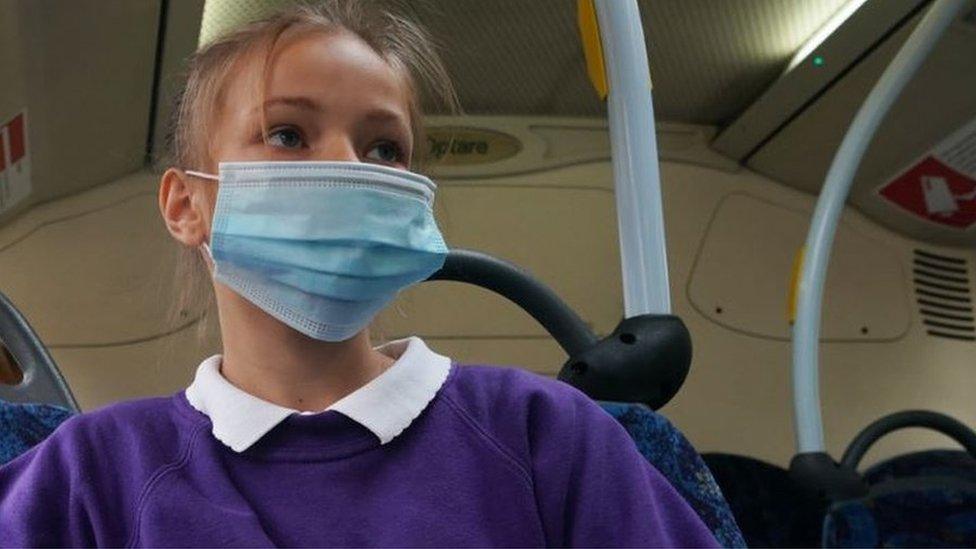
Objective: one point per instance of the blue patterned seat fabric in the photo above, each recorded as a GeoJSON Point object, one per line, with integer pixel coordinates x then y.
{"type": "Point", "coordinates": [928, 463]}
{"type": "Point", "coordinates": [671, 453]}
{"type": "Point", "coordinates": [906, 512]}
{"type": "Point", "coordinates": [771, 509]}
{"type": "Point", "coordinates": [24, 425]}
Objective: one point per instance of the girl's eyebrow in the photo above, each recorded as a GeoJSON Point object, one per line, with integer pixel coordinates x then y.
{"type": "Point", "coordinates": [377, 115]}
{"type": "Point", "coordinates": [303, 103]}
{"type": "Point", "coordinates": [383, 115]}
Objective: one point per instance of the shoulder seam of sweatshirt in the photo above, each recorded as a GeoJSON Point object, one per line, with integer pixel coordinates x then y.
{"type": "Point", "coordinates": [156, 478]}
{"type": "Point", "coordinates": [494, 443]}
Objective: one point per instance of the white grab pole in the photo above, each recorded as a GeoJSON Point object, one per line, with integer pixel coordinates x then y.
{"type": "Point", "coordinates": [637, 178]}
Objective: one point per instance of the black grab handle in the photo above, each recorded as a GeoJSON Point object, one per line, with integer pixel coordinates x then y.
{"type": "Point", "coordinates": [935, 421]}
{"type": "Point", "coordinates": [522, 289]}
{"type": "Point", "coordinates": [646, 359]}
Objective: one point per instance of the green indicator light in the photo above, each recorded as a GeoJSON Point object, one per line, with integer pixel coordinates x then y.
{"type": "Point", "coordinates": [818, 61]}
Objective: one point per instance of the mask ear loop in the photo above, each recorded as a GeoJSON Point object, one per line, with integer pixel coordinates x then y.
{"type": "Point", "coordinates": [203, 175]}
{"type": "Point", "coordinates": [205, 247]}
{"type": "Point", "coordinates": [208, 257]}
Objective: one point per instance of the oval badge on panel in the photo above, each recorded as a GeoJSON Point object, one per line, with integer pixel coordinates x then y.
{"type": "Point", "coordinates": [459, 146]}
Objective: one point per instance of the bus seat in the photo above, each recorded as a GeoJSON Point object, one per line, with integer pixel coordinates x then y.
{"type": "Point", "coordinates": [920, 499]}
{"type": "Point", "coordinates": [671, 454]}
{"type": "Point", "coordinates": [769, 507]}
{"type": "Point", "coordinates": [927, 463]}
{"type": "Point", "coordinates": [22, 426]}
{"type": "Point", "coordinates": [906, 512]}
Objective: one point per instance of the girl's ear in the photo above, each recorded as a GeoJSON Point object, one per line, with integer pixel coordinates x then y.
{"type": "Point", "coordinates": [180, 203]}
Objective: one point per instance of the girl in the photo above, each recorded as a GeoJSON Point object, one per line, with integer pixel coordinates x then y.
{"type": "Point", "coordinates": [292, 145]}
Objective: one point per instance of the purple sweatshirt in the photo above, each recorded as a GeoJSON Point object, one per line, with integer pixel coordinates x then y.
{"type": "Point", "coordinates": [500, 457]}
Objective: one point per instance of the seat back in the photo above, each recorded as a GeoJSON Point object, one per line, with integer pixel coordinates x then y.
{"type": "Point", "coordinates": [926, 463]}
{"type": "Point", "coordinates": [22, 426]}
{"type": "Point", "coordinates": [771, 509]}
{"type": "Point", "coordinates": [920, 499]}
{"type": "Point", "coordinates": [906, 512]}
{"type": "Point", "coordinates": [671, 454]}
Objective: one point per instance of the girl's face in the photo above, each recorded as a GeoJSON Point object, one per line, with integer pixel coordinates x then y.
{"type": "Point", "coordinates": [327, 97]}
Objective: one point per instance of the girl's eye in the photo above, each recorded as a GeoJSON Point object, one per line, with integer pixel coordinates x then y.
{"type": "Point", "coordinates": [387, 152]}
{"type": "Point", "coordinates": [287, 138]}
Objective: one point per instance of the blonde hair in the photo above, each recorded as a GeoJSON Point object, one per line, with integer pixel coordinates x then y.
{"type": "Point", "coordinates": [402, 43]}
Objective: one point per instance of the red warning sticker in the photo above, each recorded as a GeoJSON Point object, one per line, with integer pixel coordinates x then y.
{"type": "Point", "coordinates": [18, 138]}
{"type": "Point", "coordinates": [941, 187]}
{"type": "Point", "coordinates": [15, 164]}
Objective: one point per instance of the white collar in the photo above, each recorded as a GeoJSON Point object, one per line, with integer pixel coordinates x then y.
{"type": "Point", "coordinates": [386, 405]}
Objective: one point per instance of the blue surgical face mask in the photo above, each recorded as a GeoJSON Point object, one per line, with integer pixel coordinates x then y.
{"type": "Point", "coordinates": [322, 246]}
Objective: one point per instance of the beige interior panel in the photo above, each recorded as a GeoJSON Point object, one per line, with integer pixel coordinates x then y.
{"type": "Point", "coordinates": [738, 395]}
{"type": "Point", "coordinates": [550, 143]}
{"type": "Point", "coordinates": [85, 76]}
{"type": "Point", "coordinates": [101, 375]}
{"type": "Point", "coordinates": [94, 270]}
{"type": "Point", "coordinates": [544, 143]}
{"type": "Point", "coordinates": [567, 141]}
{"type": "Point", "coordinates": [507, 222]}
{"type": "Point", "coordinates": [744, 268]}
{"type": "Point", "coordinates": [540, 355]}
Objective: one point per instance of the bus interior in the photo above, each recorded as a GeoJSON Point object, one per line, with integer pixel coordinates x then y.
{"type": "Point", "coordinates": [754, 104]}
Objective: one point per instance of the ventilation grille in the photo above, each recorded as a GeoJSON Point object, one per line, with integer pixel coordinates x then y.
{"type": "Point", "coordinates": [942, 291]}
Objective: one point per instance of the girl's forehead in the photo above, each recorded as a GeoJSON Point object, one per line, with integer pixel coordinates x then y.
{"type": "Point", "coordinates": [337, 70]}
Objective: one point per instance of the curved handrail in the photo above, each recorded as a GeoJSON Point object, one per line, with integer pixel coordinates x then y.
{"type": "Point", "coordinates": [935, 421]}
{"type": "Point", "coordinates": [646, 359]}
{"type": "Point", "coordinates": [522, 289]}
{"type": "Point", "coordinates": [806, 332]}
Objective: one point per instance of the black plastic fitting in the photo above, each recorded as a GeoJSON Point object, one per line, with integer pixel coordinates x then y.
{"type": "Point", "coordinates": [646, 359]}
{"type": "Point", "coordinates": [819, 473]}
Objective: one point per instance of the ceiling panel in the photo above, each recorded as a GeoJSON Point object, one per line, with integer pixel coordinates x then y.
{"type": "Point", "coordinates": [939, 100]}
{"type": "Point", "coordinates": [709, 58]}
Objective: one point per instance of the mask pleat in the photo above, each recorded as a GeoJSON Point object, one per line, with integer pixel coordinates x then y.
{"type": "Point", "coordinates": [323, 246]}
